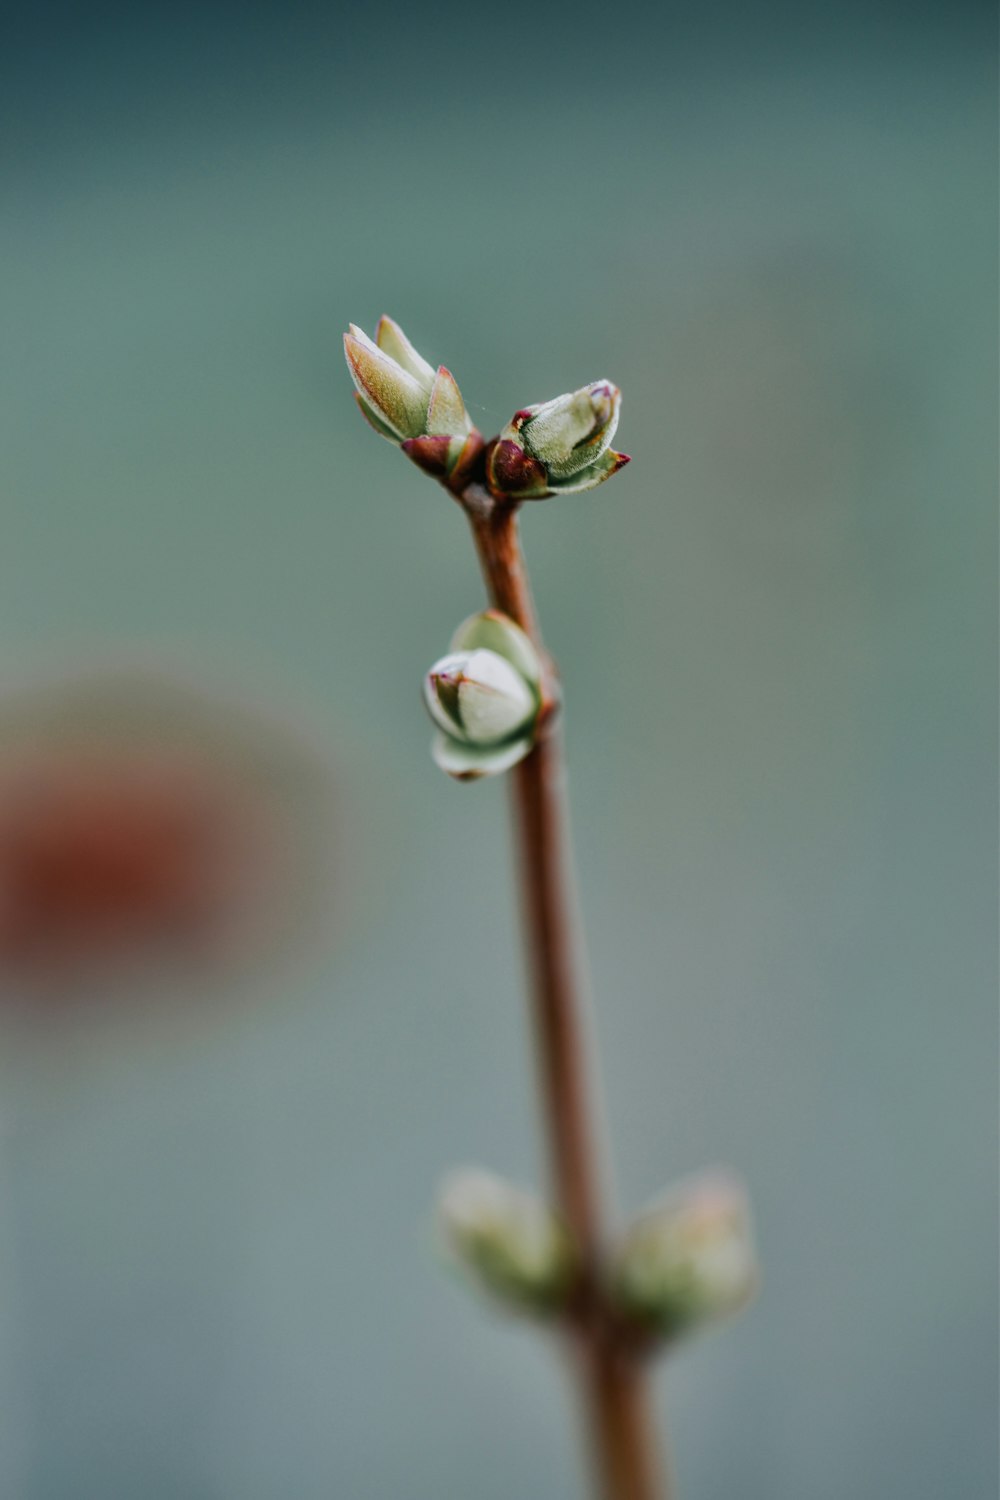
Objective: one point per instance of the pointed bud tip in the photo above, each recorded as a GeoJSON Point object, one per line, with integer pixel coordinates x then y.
{"type": "Point", "coordinates": [387, 326]}
{"type": "Point", "coordinates": [446, 413]}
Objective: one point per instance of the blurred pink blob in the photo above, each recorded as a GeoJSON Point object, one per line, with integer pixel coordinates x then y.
{"type": "Point", "coordinates": [148, 832]}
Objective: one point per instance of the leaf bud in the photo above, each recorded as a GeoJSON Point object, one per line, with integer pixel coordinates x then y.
{"type": "Point", "coordinates": [688, 1259]}
{"type": "Point", "coordinates": [507, 1241]}
{"type": "Point", "coordinates": [558, 447]}
{"type": "Point", "coordinates": [409, 402]}
{"type": "Point", "coordinates": [484, 697]}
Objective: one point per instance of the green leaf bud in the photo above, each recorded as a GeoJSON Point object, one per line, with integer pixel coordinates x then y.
{"type": "Point", "coordinates": [571, 432]}
{"type": "Point", "coordinates": [688, 1259]}
{"type": "Point", "coordinates": [395, 398]}
{"type": "Point", "coordinates": [561, 446]}
{"type": "Point", "coordinates": [507, 1241]}
{"type": "Point", "coordinates": [409, 402]}
{"type": "Point", "coordinates": [485, 697]}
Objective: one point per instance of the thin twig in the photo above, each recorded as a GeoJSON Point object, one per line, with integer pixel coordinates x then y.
{"type": "Point", "coordinates": [613, 1378]}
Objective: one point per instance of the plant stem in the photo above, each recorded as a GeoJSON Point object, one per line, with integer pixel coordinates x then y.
{"type": "Point", "coordinates": [611, 1374]}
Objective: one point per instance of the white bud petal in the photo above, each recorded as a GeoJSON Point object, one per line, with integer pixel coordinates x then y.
{"type": "Point", "coordinates": [478, 697]}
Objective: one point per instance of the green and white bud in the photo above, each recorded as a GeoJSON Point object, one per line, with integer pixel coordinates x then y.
{"type": "Point", "coordinates": [485, 697]}
{"type": "Point", "coordinates": [558, 447]}
{"type": "Point", "coordinates": [507, 1241]}
{"type": "Point", "coordinates": [478, 697]}
{"type": "Point", "coordinates": [409, 402]}
{"type": "Point", "coordinates": [689, 1259]}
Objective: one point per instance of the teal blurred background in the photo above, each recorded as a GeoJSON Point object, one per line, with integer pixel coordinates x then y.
{"type": "Point", "coordinates": [776, 230]}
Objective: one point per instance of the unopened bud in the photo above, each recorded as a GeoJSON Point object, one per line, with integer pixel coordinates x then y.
{"type": "Point", "coordinates": [506, 1240]}
{"type": "Point", "coordinates": [558, 447]}
{"type": "Point", "coordinates": [409, 402]}
{"type": "Point", "coordinates": [484, 697]}
{"type": "Point", "coordinates": [688, 1259]}
{"type": "Point", "coordinates": [478, 697]}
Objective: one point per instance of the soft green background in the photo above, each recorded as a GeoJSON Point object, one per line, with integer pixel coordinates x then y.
{"type": "Point", "coordinates": [776, 231]}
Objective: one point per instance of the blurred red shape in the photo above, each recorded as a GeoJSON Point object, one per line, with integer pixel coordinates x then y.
{"type": "Point", "coordinates": [147, 831]}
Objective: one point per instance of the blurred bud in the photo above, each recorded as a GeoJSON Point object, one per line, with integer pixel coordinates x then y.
{"type": "Point", "coordinates": [689, 1259]}
{"type": "Point", "coordinates": [484, 697]}
{"type": "Point", "coordinates": [559, 447]}
{"type": "Point", "coordinates": [409, 402]}
{"type": "Point", "coordinates": [509, 1243]}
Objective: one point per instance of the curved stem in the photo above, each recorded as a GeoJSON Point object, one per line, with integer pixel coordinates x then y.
{"type": "Point", "coordinates": [612, 1378]}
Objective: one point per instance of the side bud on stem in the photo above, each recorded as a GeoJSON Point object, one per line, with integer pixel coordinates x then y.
{"type": "Point", "coordinates": [687, 1260]}
{"type": "Point", "coordinates": [506, 1241]}
{"type": "Point", "coordinates": [409, 402]}
{"type": "Point", "coordinates": [484, 697]}
{"type": "Point", "coordinates": [559, 447]}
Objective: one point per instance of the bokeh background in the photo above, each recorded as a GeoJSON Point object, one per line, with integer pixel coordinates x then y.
{"type": "Point", "coordinates": [776, 230]}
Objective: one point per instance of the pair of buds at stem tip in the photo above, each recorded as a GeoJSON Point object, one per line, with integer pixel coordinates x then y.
{"type": "Point", "coordinates": [687, 1261]}
{"type": "Point", "coordinates": [557, 447]}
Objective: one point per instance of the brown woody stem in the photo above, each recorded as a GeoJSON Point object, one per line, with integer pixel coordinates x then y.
{"type": "Point", "coordinates": [612, 1375]}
